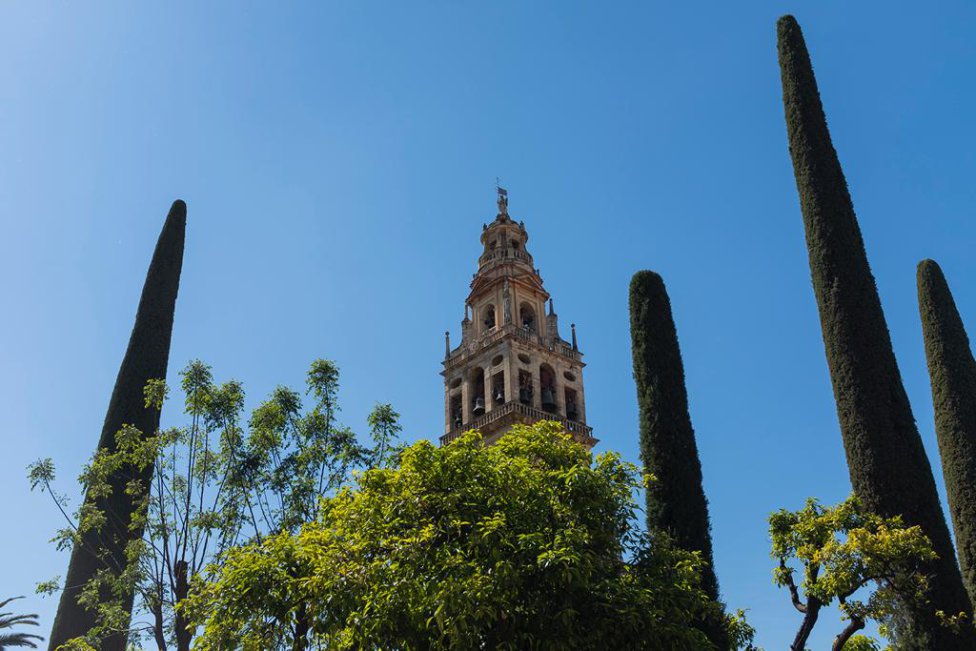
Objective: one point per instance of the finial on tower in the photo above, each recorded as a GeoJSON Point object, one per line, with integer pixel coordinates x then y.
{"type": "Point", "coordinates": [572, 327]}
{"type": "Point", "coordinates": [447, 344]}
{"type": "Point", "coordinates": [551, 311]}
{"type": "Point", "coordinates": [502, 198]}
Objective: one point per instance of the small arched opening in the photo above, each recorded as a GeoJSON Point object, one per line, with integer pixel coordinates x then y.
{"type": "Point", "coordinates": [477, 391]}
{"type": "Point", "coordinates": [498, 388]}
{"type": "Point", "coordinates": [547, 388]}
{"type": "Point", "coordinates": [572, 405]}
{"type": "Point", "coordinates": [525, 387]}
{"type": "Point", "coordinates": [488, 317]}
{"type": "Point", "coordinates": [457, 414]}
{"type": "Point", "coordinates": [527, 317]}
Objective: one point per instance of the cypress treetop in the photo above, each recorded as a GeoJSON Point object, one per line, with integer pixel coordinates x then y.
{"type": "Point", "coordinates": [952, 371]}
{"type": "Point", "coordinates": [888, 466]}
{"type": "Point", "coordinates": [676, 502]}
{"type": "Point", "coordinates": [145, 359]}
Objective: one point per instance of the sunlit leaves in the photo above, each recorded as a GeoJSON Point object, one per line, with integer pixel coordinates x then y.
{"type": "Point", "coordinates": [517, 545]}
{"type": "Point", "coordinates": [863, 562]}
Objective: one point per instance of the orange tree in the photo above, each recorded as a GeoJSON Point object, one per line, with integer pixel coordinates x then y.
{"type": "Point", "coordinates": [527, 544]}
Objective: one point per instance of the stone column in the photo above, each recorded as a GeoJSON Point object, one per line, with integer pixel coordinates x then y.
{"type": "Point", "coordinates": [489, 399]}
{"type": "Point", "coordinates": [537, 387]}
{"type": "Point", "coordinates": [511, 374]}
{"type": "Point", "coordinates": [448, 425]}
{"type": "Point", "coordinates": [466, 400]}
{"type": "Point", "coordinates": [580, 398]}
{"type": "Point", "coordinates": [557, 389]}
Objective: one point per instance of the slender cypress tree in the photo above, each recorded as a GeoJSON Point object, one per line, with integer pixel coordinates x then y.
{"type": "Point", "coordinates": [676, 502]}
{"type": "Point", "coordinates": [887, 463]}
{"type": "Point", "coordinates": [145, 359]}
{"type": "Point", "coordinates": [952, 371]}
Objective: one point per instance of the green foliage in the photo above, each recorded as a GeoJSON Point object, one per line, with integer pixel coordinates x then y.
{"type": "Point", "coordinates": [740, 634]}
{"type": "Point", "coordinates": [887, 462]}
{"type": "Point", "coordinates": [862, 643]}
{"type": "Point", "coordinates": [952, 371]}
{"type": "Point", "coordinates": [215, 484]}
{"type": "Point", "coordinates": [384, 428]}
{"type": "Point", "coordinates": [676, 502]}
{"type": "Point", "coordinates": [295, 457]}
{"type": "Point", "coordinates": [520, 545]}
{"type": "Point", "coordinates": [869, 565]}
{"type": "Point", "coordinates": [9, 621]}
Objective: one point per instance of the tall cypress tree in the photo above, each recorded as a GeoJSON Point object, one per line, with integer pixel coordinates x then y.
{"type": "Point", "coordinates": [887, 463]}
{"type": "Point", "coordinates": [145, 359]}
{"type": "Point", "coordinates": [676, 502]}
{"type": "Point", "coordinates": [952, 371]}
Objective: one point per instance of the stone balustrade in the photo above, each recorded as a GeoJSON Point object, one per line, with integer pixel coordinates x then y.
{"type": "Point", "coordinates": [581, 432]}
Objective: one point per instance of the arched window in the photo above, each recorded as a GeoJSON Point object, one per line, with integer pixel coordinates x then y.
{"type": "Point", "coordinates": [477, 391]}
{"type": "Point", "coordinates": [498, 388]}
{"type": "Point", "coordinates": [456, 414]}
{"type": "Point", "coordinates": [547, 386]}
{"type": "Point", "coordinates": [572, 407]}
{"type": "Point", "coordinates": [527, 317]}
{"type": "Point", "coordinates": [525, 387]}
{"type": "Point", "coordinates": [489, 317]}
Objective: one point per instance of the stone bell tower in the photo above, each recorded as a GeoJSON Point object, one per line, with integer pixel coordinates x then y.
{"type": "Point", "coordinates": [511, 365]}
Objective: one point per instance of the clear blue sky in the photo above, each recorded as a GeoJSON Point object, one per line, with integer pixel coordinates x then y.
{"type": "Point", "coordinates": [338, 160]}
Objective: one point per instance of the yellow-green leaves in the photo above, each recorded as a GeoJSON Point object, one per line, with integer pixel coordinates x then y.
{"type": "Point", "coordinates": [517, 545]}
{"type": "Point", "coordinates": [865, 563]}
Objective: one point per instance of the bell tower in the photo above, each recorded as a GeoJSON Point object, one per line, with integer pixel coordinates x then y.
{"type": "Point", "coordinates": [511, 365]}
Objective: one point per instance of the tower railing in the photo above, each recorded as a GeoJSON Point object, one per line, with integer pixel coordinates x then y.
{"type": "Point", "coordinates": [504, 255]}
{"type": "Point", "coordinates": [580, 431]}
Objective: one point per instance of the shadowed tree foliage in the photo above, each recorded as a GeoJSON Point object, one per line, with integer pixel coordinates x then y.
{"type": "Point", "coordinates": [104, 548]}
{"type": "Point", "coordinates": [888, 467]}
{"type": "Point", "coordinates": [676, 502]}
{"type": "Point", "coordinates": [952, 371]}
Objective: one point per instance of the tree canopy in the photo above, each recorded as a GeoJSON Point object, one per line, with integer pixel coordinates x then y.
{"type": "Point", "coordinates": [869, 565]}
{"type": "Point", "coordinates": [526, 544]}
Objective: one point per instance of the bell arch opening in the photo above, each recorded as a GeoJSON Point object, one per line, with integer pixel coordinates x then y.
{"type": "Point", "coordinates": [547, 388]}
{"type": "Point", "coordinates": [527, 317]}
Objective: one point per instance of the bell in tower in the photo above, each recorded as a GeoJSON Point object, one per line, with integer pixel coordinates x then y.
{"type": "Point", "coordinates": [511, 365]}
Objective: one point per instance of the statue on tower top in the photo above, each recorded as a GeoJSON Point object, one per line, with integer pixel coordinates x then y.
{"type": "Point", "coordinates": [502, 199]}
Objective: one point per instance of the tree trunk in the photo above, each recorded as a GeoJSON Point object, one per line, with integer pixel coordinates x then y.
{"type": "Point", "coordinates": [159, 626]}
{"type": "Point", "coordinates": [184, 633]}
{"type": "Point", "coordinates": [856, 625]}
{"type": "Point", "coordinates": [302, 624]}
{"type": "Point", "coordinates": [809, 621]}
